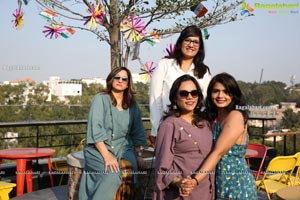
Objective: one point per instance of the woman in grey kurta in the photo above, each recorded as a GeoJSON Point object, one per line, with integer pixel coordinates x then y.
{"type": "Point", "coordinates": [116, 123]}
{"type": "Point", "coordinates": [183, 142]}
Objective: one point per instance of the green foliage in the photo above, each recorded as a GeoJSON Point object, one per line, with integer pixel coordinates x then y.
{"type": "Point", "coordinates": [266, 93]}
{"type": "Point", "coordinates": [291, 120]}
{"type": "Point", "coordinates": [142, 97]}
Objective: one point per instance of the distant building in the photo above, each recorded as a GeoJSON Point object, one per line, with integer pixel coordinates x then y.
{"type": "Point", "coordinates": [90, 81]}
{"type": "Point", "coordinates": [135, 78]}
{"type": "Point", "coordinates": [30, 84]}
{"type": "Point", "coordinates": [63, 89]}
{"type": "Point", "coordinates": [11, 139]}
{"type": "Point", "coordinates": [21, 81]}
{"type": "Point", "coordinates": [269, 112]}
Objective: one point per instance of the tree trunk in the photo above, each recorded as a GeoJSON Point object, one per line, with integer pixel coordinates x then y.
{"type": "Point", "coordinates": [115, 47]}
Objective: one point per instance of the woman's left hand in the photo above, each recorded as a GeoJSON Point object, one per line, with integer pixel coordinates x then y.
{"type": "Point", "coordinates": [187, 186]}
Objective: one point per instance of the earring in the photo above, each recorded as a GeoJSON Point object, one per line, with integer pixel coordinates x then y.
{"type": "Point", "coordinates": [175, 107]}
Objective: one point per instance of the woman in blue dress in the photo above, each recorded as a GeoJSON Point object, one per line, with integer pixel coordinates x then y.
{"type": "Point", "coordinates": [115, 135]}
{"type": "Point", "coordinates": [233, 178]}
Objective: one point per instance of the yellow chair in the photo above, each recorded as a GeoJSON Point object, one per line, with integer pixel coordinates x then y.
{"type": "Point", "coordinates": [62, 165]}
{"type": "Point", "coordinates": [5, 189]}
{"type": "Point", "coordinates": [80, 145]}
{"type": "Point", "coordinates": [294, 180]}
{"type": "Point", "coordinates": [278, 165]}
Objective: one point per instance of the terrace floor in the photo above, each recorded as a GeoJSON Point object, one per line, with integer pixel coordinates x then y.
{"type": "Point", "coordinates": [61, 193]}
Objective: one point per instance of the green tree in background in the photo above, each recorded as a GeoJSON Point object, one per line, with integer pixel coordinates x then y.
{"type": "Point", "coordinates": [291, 120]}
{"type": "Point", "coordinates": [266, 93]}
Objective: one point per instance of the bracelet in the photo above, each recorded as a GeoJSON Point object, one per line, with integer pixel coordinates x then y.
{"type": "Point", "coordinates": [138, 154]}
{"type": "Point", "coordinates": [196, 180]}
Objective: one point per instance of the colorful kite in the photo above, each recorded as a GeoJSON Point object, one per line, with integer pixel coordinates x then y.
{"type": "Point", "coordinates": [153, 39]}
{"type": "Point", "coordinates": [206, 34]}
{"type": "Point", "coordinates": [67, 32]}
{"type": "Point", "coordinates": [170, 50]}
{"type": "Point", "coordinates": [199, 10]}
{"type": "Point", "coordinates": [133, 28]}
{"type": "Point", "coordinates": [18, 21]}
{"type": "Point", "coordinates": [25, 2]}
{"type": "Point", "coordinates": [146, 71]}
{"type": "Point", "coordinates": [97, 14]}
{"type": "Point", "coordinates": [48, 14]}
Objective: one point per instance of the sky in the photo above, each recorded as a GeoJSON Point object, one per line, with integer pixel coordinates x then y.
{"type": "Point", "coordinates": [264, 46]}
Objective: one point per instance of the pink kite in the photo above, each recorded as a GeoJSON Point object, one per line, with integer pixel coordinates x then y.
{"type": "Point", "coordinates": [133, 28]}
{"type": "Point", "coordinates": [97, 14]}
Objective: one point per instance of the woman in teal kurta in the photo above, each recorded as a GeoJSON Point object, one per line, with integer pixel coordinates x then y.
{"type": "Point", "coordinates": [115, 130]}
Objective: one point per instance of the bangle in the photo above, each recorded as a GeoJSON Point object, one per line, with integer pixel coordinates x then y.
{"type": "Point", "coordinates": [197, 182]}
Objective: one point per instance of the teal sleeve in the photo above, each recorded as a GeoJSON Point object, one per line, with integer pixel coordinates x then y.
{"type": "Point", "coordinates": [96, 131]}
{"type": "Point", "coordinates": [138, 133]}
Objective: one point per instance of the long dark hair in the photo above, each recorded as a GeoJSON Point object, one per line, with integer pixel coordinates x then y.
{"type": "Point", "coordinates": [233, 89]}
{"type": "Point", "coordinates": [200, 67]}
{"type": "Point", "coordinates": [128, 96]}
{"type": "Point", "coordinates": [173, 108]}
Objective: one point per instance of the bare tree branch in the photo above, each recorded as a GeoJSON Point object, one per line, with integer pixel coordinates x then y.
{"type": "Point", "coordinates": [176, 12]}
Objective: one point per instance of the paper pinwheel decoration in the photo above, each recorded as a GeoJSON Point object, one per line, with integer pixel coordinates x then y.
{"type": "Point", "coordinates": [18, 21]}
{"type": "Point", "coordinates": [57, 30]}
{"type": "Point", "coordinates": [153, 39]}
{"type": "Point", "coordinates": [97, 14]}
{"type": "Point", "coordinates": [133, 28]}
{"type": "Point", "coordinates": [170, 50]}
{"type": "Point", "coordinates": [53, 30]}
{"type": "Point", "coordinates": [146, 71]}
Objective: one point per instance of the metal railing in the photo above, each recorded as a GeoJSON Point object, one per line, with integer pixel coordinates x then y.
{"type": "Point", "coordinates": [64, 134]}
{"type": "Point", "coordinates": [67, 134]}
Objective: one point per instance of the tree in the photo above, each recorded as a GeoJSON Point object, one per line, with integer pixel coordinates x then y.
{"type": "Point", "coordinates": [290, 119]}
{"type": "Point", "coordinates": [72, 14]}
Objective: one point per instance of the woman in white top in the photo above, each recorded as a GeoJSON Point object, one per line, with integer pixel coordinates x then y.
{"type": "Point", "coordinates": [187, 59]}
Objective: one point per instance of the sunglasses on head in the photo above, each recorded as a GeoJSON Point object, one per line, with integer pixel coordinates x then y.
{"type": "Point", "coordinates": [117, 77]}
{"type": "Point", "coordinates": [185, 94]}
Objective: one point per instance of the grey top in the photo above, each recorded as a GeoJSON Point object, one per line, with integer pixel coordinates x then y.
{"type": "Point", "coordinates": [180, 150]}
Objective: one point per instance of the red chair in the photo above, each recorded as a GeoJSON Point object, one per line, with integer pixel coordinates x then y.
{"type": "Point", "coordinates": [256, 163]}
